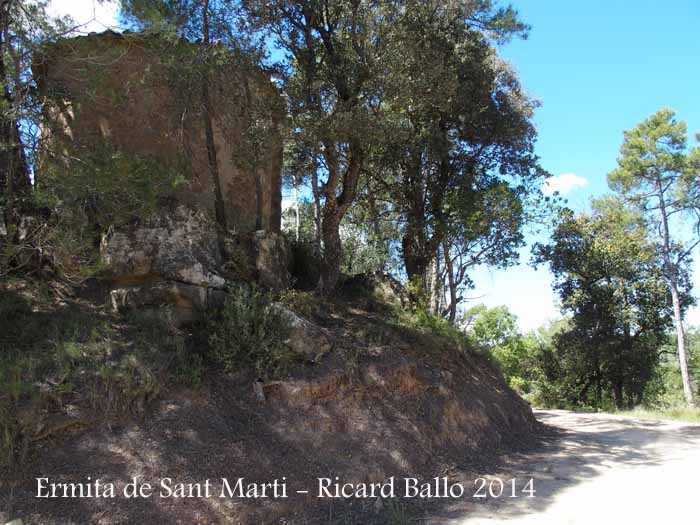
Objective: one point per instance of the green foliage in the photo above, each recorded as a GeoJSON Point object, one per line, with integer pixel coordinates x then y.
{"type": "Point", "coordinates": [108, 187]}
{"type": "Point", "coordinates": [305, 257]}
{"type": "Point", "coordinates": [362, 254]}
{"type": "Point", "coordinates": [75, 202]}
{"type": "Point", "coordinates": [660, 178]}
{"type": "Point", "coordinates": [665, 390]}
{"type": "Point", "coordinates": [365, 244]}
{"type": "Point", "coordinates": [250, 331]}
{"type": "Point", "coordinates": [610, 279]}
{"type": "Point", "coordinates": [111, 365]}
{"type": "Point", "coordinates": [369, 232]}
{"type": "Point", "coordinates": [455, 160]}
{"type": "Point", "coordinates": [421, 319]}
{"type": "Point", "coordinates": [26, 26]}
{"type": "Point", "coordinates": [655, 150]}
{"type": "Point", "coordinates": [440, 326]}
{"type": "Point", "coordinates": [306, 220]}
{"type": "Point", "coordinates": [418, 293]}
{"type": "Point", "coordinates": [105, 188]}
{"type": "Point", "coordinates": [494, 331]}
{"type": "Point", "coordinates": [370, 87]}
{"type": "Point", "coordinates": [305, 304]}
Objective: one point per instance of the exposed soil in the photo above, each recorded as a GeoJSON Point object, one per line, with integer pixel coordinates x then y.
{"type": "Point", "coordinates": [415, 407]}
{"type": "Point", "coordinates": [596, 468]}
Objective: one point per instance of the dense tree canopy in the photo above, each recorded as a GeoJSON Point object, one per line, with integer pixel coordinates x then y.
{"type": "Point", "coordinates": [410, 96]}
{"type": "Point", "coordinates": [410, 144]}
{"type": "Point", "coordinates": [610, 280]}
{"type": "Point", "coordinates": [459, 135]}
{"type": "Point", "coordinates": [659, 177]}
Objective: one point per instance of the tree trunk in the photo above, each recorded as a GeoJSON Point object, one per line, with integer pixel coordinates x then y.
{"type": "Point", "coordinates": [414, 259]}
{"type": "Point", "coordinates": [419, 245]}
{"type": "Point", "coordinates": [450, 281]}
{"type": "Point", "coordinates": [316, 192]}
{"type": "Point", "coordinates": [435, 286]}
{"type": "Point", "coordinates": [378, 241]}
{"type": "Point", "coordinates": [617, 391]}
{"type": "Point", "coordinates": [680, 335]}
{"type": "Point", "coordinates": [14, 168]}
{"type": "Point", "coordinates": [332, 250]}
{"type": "Point", "coordinates": [297, 218]}
{"type": "Point", "coordinates": [258, 194]}
{"type": "Point", "coordinates": [334, 209]}
{"type": "Point", "coordinates": [219, 208]}
{"type": "Point", "coordinates": [673, 285]}
{"type": "Point", "coordinates": [413, 243]}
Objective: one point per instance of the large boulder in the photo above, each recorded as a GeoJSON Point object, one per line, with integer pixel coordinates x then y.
{"type": "Point", "coordinates": [306, 339]}
{"type": "Point", "coordinates": [172, 258]}
{"type": "Point", "coordinates": [179, 245]}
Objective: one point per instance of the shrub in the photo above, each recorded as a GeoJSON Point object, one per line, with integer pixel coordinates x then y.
{"type": "Point", "coordinates": [75, 202]}
{"type": "Point", "coordinates": [250, 331]}
{"type": "Point", "coordinates": [305, 265]}
{"type": "Point", "coordinates": [303, 303]}
{"type": "Point", "coordinates": [109, 187]}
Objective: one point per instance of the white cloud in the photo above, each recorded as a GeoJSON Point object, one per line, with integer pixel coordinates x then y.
{"type": "Point", "coordinates": [90, 14]}
{"type": "Point", "coordinates": [564, 183]}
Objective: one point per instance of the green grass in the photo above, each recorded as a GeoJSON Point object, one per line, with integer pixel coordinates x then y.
{"type": "Point", "coordinates": [54, 352]}
{"type": "Point", "coordinates": [676, 413]}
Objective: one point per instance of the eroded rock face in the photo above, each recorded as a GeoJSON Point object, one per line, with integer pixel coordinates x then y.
{"type": "Point", "coordinates": [271, 260]}
{"type": "Point", "coordinates": [172, 258]}
{"type": "Point", "coordinates": [124, 91]}
{"type": "Point", "coordinates": [121, 90]}
{"type": "Point", "coordinates": [179, 246]}
{"type": "Point", "coordinates": [187, 300]}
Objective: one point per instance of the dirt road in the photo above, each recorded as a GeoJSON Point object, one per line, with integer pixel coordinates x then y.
{"type": "Point", "coordinates": [601, 469]}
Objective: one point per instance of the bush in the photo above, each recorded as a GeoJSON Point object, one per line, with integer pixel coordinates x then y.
{"type": "Point", "coordinates": [75, 202]}
{"type": "Point", "coordinates": [108, 187]}
{"type": "Point", "coordinates": [421, 319]}
{"type": "Point", "coordinates": [303, 303]}
{"type": "Point", "coordinates": [250, 331]}
{"type": "Point", "coordinates": [305, 265]}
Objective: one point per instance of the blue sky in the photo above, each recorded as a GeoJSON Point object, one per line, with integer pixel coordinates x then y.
{"type": "Point", "coordinates": [598, 68]}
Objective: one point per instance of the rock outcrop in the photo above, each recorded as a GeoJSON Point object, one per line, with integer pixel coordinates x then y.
{"type": "Point", "coordinates": [124, 92]}
{"type": "Point", "coordinates": [172, 258]}
{"type": "Point", "coordinates": [306, 339]}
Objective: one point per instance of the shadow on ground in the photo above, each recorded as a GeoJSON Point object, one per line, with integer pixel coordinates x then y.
{"type": "Point", "coordinates": [577, 449]}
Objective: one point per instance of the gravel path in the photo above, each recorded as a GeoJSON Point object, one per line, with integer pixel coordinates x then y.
{"type": "Point", "coordinates": [602, 469]}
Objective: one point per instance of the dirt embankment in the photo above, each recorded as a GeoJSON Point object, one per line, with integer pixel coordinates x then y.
{"type": "Point", "coordinates": [416, 407]}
